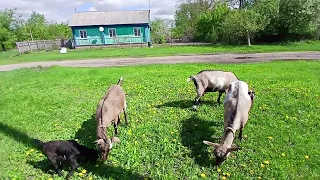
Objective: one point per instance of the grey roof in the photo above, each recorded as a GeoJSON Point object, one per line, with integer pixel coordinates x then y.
{"type": "Point", "coordinates": [109, 18]}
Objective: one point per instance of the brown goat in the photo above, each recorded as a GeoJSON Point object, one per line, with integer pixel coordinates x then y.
{"type": "Point", "coordinates": [109, 109]}
{"type": "Point", "coordinates": [237, 105]}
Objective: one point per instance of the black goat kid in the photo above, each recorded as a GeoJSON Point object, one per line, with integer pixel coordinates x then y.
{"type": "Point", "coordinates": [69, 150]}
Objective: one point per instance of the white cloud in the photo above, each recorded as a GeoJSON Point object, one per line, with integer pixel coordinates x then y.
{"type": "Point", "coordinates": [92, 9]}
{"type": "Point", "coordinates": [62, 10]}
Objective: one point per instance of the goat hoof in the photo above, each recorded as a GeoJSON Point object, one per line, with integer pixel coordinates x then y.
{"type": "Point", "coordinates": [194, 108]}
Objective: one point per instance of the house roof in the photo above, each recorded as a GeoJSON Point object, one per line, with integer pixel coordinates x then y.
{"type": "Point", "coordinates": [109, 18]}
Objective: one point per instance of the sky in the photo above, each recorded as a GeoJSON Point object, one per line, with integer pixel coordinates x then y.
{"type": "Point", "coordinates": [62, 10]}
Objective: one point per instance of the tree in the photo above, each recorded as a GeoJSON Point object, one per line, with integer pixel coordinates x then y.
{"type": "Point", "coordinates": [160, 30]}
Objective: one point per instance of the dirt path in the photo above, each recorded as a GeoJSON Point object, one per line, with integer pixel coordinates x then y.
{"type": "Point", "coordinates": [207, 58]}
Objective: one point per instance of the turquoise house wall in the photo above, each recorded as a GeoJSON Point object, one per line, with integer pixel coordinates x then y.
{"type": "Point", "coordinates": [124, 35]}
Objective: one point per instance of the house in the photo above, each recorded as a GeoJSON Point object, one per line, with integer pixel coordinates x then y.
{"type": "Point", "coordinates": [109, 28]}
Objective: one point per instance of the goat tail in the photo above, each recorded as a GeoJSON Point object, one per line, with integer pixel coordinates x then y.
{"type": "Point", "coordinates": [120, 81]}
{"type": "Point", "coordinates": [39, 142]}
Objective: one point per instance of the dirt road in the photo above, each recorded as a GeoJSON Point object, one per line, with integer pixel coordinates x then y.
{"type": "Point", "coordinates": [207, 58]}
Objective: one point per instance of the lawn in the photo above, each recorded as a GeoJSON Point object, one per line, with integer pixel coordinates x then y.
{"type": "Point", "coordinates": [12, 57]}
{"type": "Point", "coordinates": [164, 137]}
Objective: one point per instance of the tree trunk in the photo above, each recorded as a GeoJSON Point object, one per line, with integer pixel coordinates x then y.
{"type": "Point", "coordinates": [249, 39]}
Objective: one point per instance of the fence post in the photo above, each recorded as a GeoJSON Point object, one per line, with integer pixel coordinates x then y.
{"type": "Point", "coordinates": [37, 46]}
{"type": "Point", "coordinates": [18, 48]}
{"type": "Point", "coordinates": [44, 44]}
{"type": "Point", "coordinates": [29, 46]}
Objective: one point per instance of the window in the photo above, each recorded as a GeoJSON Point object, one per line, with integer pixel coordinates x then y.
{"type": "Point", "coordinates": [112, 32]}
{"type": "Point", "coordinates": [83, 34]}
{"type": "Point", "coordinates": [137, 31]}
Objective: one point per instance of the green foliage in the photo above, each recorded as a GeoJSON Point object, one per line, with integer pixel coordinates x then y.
{"type": "Point", "coordinates": [160, 30]}
{"type": "Point", "coordinates": [164, 137]}
{"type": "Point", "coordinates": [13, 28]}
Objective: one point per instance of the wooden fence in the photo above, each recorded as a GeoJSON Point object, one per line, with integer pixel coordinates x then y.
{"type": "Point", "coordinates": [30, 46]}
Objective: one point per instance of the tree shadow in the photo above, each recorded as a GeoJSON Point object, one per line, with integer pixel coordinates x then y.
{"type": "Point", "coordinates": [17, 135]}
{"type": "Point", "coordinates": [194, 132]}
{"type": "Point", "coordinates": [186, 104]}
{"type": "Point", "coordinates": [103, 171]}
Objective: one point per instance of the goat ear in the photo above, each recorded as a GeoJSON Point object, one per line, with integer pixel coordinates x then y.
{"type": "Point", "coordinates": [235, 148]}
{"type": "Point", "coordinates": [115, 139]}
{"type": "Point", "coordinates": [211, 144]}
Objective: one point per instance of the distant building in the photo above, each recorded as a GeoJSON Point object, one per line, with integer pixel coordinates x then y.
{"type": "Point", "coordinates": [109, 28]}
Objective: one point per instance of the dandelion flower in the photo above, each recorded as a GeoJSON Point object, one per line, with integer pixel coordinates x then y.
{"type": "Point", "coordinates": [243, 165]}
{"type": "Point", "coordinates": [228, 174]}
{"type": "Point", "coordinates": [262, 165]}
{"type": "Point", "coordinates": [203, 175]}
{"type": "Point", "coordinates": [174, 140]}
{"type": "Point", "coordinates": [283, 154]}
{"type": "Point", "coordinates": [129, 132]}
{"type": "Point", "coordinates": [223, 178]}
{"type": "Point", "coordinates": [267, 162]}
{"type": "Point", "coordinates": [172, 132]}
{"type": "Point", "coordinates": [219, 170]}
{"type": "Point", "coordinates": [50, 179]}
{"type": "Point", "coordinates": [80, 174]}
{"type": "Point", "coordinates": [287, 116]}
{"type": "Point", "coordinates": [251, 172]}
{"type": "Point", "coordinates": [84, 171]}
{"type": "Point", "coordinates": [270, 137]}
{"type": "Point", "coordinates": [31, 150]}
{"type": "Point", "coordinates": [90, 178]}
{"type": "Point", "coordinates": [307, 157]}
{"type": "Point", "coordinates": [259, 177]}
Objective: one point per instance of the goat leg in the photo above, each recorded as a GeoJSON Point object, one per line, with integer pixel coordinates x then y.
{"type": "Point", "coordinates": [53, 159]}
{"type": "Point", "coordinates": [125, 115]}
{"type": "Point", "coordinates": [115, 128]}
{"type": "Point", "coordinates": [74, 165]}
{"type": "Point", "coordinates": [240, 134]}
{"type": "Point", "coordinates": [220, 94]}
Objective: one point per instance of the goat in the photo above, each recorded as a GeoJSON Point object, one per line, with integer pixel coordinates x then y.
{"type": "Point", "coordinates": [59, 150]}
{"type": "Point", "coordinates": [237, 106]}
{"type": "Point", "coordinates": [112, 104]}
{"type": "Point", "coordinates": [211, 81]}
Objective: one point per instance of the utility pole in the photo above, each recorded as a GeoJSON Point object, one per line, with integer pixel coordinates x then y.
{"type": "Point", "coordinates": [31, 35]}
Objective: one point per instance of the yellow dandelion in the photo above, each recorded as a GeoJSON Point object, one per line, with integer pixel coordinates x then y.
{"type": "Point", "coordinates": [136, 142]}
{"type": "Point", "coordinates": [251, 172]}
{"type": "Point", "coordinates": [287, 116]}
{"type": "Point", "coordinates": [31, 150]}
{"type": "Point", "coordinates": [219, 170]}
{"type": "Point", "coordinates": [144, 135]}
{"type": "Point", "coordinates": [267, 162]}
{"type": "Point", "coordinates": [129, 131]}
{"type": "Point", "coordinates": [224, 173]}
{"type": "Point", "coordinates": [228, 174]}
{"type": "Point", "coordinates": [270, 137]}
{"type": "Point", "coordinates": [90, 178]}
{"type": "Point", "coordinates": [223, 178]}
{"type": "Point", "coordinates": [307, 157]}
{"type": "Point", "coordinates": [80, 174]}
{"type": "Point", "coordinates": [283, 154]}
{"type": "Point", "coordinates": [84, 171]}
{"type": "Point", "coordinates": [50, 179]}
{"type": "Point", "coordinates": [174, 140]}
{"type": "Point", "coordinates": [172, 132]}
{"type": "Point", "coordinates": [259, 177]}
{"type": "Point", "coordinates": [262, 165]}
{"type": "Point", "coordinates": [203, 175]}
{"type": "Point", "coordinates": [27, 153]}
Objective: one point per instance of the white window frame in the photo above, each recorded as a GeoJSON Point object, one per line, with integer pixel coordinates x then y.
{"type": "Point", "coordinates": [138, 31]}
{"type": "Point", "coordinates": [84, 30]}
{"type": "Point", "coordinates": [115, 32]}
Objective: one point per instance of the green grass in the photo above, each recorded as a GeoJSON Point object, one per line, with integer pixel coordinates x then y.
{"type": "Point", "coordinates": [12, 57]}
{"type": "Point", "coordinates": [164, 137]}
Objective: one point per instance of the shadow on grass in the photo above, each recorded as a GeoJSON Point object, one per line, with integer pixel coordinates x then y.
{"type": "Point", "coordinates": [186, 104]}
{"type": "Point", "coordinates": [17, 135]}
{"type": "Point", "coordinates": [194, 131]}
{"type": "Point", "coordinates": [103, 171]}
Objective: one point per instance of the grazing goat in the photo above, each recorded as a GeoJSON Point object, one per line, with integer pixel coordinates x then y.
{"type": "Point", "coordinates": [59, 150]}
{"type": "Point", "coordinates": [237, 105]}
{"type": "Point", "coordinates": [112, 104]}
{"type": "Point", "coordinates": [211, 81]}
